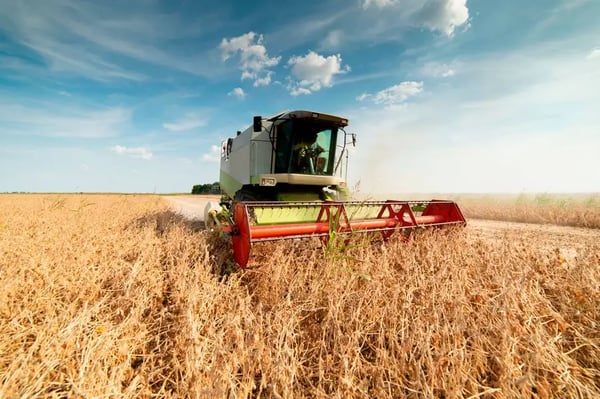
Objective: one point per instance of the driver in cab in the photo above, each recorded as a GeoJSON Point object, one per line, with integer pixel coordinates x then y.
{"type": "Point", "coordinates": [306, 153]}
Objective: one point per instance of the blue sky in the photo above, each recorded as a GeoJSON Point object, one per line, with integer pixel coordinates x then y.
{"type": "Point", "coordinates": [444, 95]}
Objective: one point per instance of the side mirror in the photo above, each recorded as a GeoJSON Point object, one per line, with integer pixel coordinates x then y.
{"type": "Point", "coordinates": [257, 123]}
{"type": "Point", "coordinates": [353, 139]}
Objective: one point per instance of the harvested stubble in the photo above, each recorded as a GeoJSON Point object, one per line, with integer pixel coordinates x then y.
{"type": "Point", "coordinates": [115, 296]}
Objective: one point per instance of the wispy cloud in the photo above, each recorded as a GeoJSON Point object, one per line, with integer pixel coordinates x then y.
{"type": "Point", "coordinates": [377, 3]}
{"type": "Point", "coordinates": [188, 122]}
{"type": "Point", "coordinates": [332, 40]}
{"type": "Point", "coordinates": [379, 21]}
{"type": "Point", "coordinates": [594, 54]}
{"type": "Point", "coordinates": [439, 70]}
{"type": "Point", "coordinates": [69, 58]}
{"type": "Point", "coordinates": [394, 95]}
{"type": "Point", "coordinates": [53, 120]}
{"type": "Point", "coordinates": [97, 40]}
{"type": "Point", "coordinates": [133, 152]}
{"type": "Point", "coordinates": [15, 63]}
{"type": "Point", "coordinates": [213, 155]}
{"type": "Point", "coordinates": [557, 11]}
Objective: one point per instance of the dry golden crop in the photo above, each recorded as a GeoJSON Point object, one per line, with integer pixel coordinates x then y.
{"type": "Point", "coordinates": [116, 296]}
{"type": "Point", "coordinates": [579, 210]}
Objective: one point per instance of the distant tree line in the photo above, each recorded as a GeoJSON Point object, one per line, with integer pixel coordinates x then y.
{"type": "Point", "coordinates": [211, 188]}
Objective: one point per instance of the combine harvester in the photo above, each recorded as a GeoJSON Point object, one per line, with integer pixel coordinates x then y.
{"type": "Point", "coordinates": [284, 178]}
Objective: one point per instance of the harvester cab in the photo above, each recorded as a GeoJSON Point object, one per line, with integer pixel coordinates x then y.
{"type": "Point", "coordinates": [284, 177]}
{"type": "Point", "coordinates": [289, 156]}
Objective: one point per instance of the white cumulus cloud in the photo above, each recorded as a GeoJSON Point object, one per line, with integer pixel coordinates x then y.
{"type": "Point", "coordinates": [436, 15]}
{"type": "Point", "coordinates": [313, 72]}
{"type": "Point", "coordinates": [134, 152]}
{"type": "Point", "coordinates": [444, 15]}
{"type": "Point", "coordinates": [254, 60]}
{"type": "Point", "coordinates": [395, 94]}
{"type": "Point", "coordinates": [237, 92]}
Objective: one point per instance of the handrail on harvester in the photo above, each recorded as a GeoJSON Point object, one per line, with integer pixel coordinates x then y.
{"type": "Point", "coordinates": [345, 217]}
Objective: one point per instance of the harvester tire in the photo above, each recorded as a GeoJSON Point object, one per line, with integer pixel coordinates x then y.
{"type": "Point", "coordinates": [245, 194]}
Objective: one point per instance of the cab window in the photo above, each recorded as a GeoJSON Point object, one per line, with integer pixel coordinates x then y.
{"type": "Point", "coordinates": [306, 147]}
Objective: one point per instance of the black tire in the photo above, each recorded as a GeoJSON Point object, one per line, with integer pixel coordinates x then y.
{"type": "Point", "coordinates": [251, 194]}
{"type": "Point", "coordinates": [245, 195]}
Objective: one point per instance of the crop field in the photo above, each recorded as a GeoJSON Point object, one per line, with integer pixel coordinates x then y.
{"type": "Point", "coordinates": [579, 210]}
{"type": "Point", "coordinates": [117, 296]}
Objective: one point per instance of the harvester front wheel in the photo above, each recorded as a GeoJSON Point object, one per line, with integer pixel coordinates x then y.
{"type": "Point", "coordinates": [247, 194]}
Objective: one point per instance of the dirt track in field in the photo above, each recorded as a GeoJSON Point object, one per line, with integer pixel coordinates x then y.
{"type": "Point", "coordinates": [568, 239]}
{"type": "Point", "coordinates": [190, 206]}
